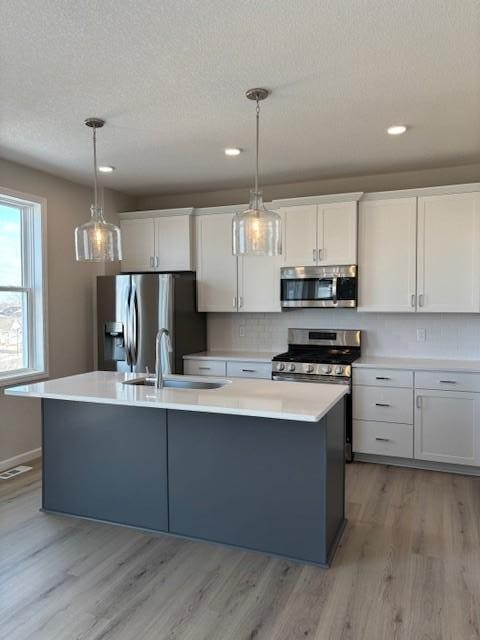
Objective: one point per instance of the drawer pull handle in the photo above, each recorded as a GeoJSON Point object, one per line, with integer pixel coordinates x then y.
{"type": "Point", "coordinates": [448, 381]}
{"type": "Point", "coordinates": [249, 370]}
{"type": "Point", "coordinates": [382, 378]}
{"type": "Point", "coordinates": [382, 404]}
{"type": "Point", "coordinates": [418, 402]}
{"type": "Point", "coordinates": [383, 439]}
{"type": "Point", "coordinates": [205, 369]}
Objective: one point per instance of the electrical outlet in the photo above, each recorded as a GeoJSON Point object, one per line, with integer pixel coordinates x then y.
{"type": "Point", "coordinates": [241, 331]}
{"type": "Point", "coordinates": [421, 335]}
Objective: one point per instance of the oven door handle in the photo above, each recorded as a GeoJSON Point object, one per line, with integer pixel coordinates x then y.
{"type": "Point", "coordinates": [334, 288]}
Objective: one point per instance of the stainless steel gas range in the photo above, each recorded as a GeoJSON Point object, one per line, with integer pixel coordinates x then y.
{"type": "Point", "coordinates": [322, 356]}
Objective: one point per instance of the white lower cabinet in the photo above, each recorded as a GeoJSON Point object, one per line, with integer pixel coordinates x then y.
{"type": "Point", "coordinates": [447, 426]}
{"type": "Point", "coordinates": [431, 415]}
{"type": "Point", "coordinates": [237, 369]}
{"type": "Point", "coordinates": [383, 438]}
{"type": "Point", "coordinates": [230, 368]}
{"type": "Point", "coordinates": [203, 367]}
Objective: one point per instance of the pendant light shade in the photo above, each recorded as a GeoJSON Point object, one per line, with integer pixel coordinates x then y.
{"type": "Point", "coordinates": [257, 231]}
{"type": "Point", "coordinates": [97, 240]}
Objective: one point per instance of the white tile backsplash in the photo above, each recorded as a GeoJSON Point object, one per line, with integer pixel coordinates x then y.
{"type": "Point", "coordinates": [447, 335]}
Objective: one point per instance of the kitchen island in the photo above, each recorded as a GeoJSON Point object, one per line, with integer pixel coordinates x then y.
{"type": "Point", "coordinates": [256, 464]}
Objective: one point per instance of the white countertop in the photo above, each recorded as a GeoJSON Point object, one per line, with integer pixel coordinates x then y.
{"type": "Point", "coordinates": [240, 396]}
{"type": "Point", "coordinates": [417, 364]}
{"type": "Point", "coordinates": [237, 356]}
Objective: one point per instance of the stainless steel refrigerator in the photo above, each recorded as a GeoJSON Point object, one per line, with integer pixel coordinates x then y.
{"type": "Point", "coordinates": [131, 308]}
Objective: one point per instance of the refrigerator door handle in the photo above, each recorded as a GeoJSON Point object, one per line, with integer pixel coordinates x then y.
{"type": "Point", "coordinates": [133, 310]}
{"type": "Point", "coordinates": [126, 331]}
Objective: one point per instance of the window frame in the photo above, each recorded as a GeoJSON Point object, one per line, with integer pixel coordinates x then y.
{"type": "Point", "coordinates": [34, 285]}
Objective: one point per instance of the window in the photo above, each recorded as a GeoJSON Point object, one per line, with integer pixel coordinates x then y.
{"type": "Point", "coordinates": [22, 288]}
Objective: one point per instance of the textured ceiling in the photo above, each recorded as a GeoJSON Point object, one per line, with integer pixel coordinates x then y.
{"type": "Point", "coordinates": [169, 77]}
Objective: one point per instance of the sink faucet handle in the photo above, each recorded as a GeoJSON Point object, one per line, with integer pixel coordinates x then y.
{"type": "Point", "coordinates": [147, 370]}
{"type": "Point", "coordinates": [169, 342]}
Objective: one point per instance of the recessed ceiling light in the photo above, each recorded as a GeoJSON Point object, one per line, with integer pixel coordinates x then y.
{"type": "Point", "coordinates": [233, 151]}
{"type": "Point", "coordinates": [106, 169]}
{"type": "Point", "coordinates": [396, 129]}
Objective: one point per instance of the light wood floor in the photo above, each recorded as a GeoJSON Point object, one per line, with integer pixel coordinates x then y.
{"type": "Point", "coordinates": [408, 567]}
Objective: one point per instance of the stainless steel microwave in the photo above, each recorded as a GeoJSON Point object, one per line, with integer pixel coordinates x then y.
{"type": "Point", "coordinates": [334, 286]}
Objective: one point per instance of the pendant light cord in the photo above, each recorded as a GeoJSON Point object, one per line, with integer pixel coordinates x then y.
{"type": "Point", "coordinates": [95, 166]}
{"type": "Point", "coordinates": [257, 145]}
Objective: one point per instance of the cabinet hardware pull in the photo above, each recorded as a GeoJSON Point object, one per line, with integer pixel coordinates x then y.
{"type": "Point", "coordinates": [315, 255]}
{"type": "Point", "coordinates": [382, 378]}
{"type": "Point", "coordinates": [418, 402]}
{"type": "Point", "coordinates": [421, 298]}
{"type": "Point", "coordinates": [234, 302]}
{"type": "Point", "coordinates": [412, 301]}
{"type": "Point", "coordinates": [240, 302]}
{"type": "Point", "coordinates": [157, 262]}
{"type": "Point", "coordinates": [249, 370]}
{"type": "Point", "coordinates": [205, 369]}
{"type": "Point", "coordinates": [383, 439]}
{"type": "Point", "coordinates": [382, 404]}
{"type": "Point", "coordinates": [448, 381]}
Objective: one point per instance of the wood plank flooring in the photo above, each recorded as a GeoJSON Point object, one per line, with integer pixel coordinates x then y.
{"type": "Point", "coordinates": [408, 568]}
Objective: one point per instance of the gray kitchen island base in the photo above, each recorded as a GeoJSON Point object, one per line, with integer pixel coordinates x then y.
{"type": "Point", "coordinates": [274, 486]}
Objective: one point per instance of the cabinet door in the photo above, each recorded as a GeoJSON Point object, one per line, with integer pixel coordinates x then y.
{"type": "Point", "coordinates": [216, 264]}
{"type": "Point", "coordinates": [300, 235]}
{"type": "Point", "coordinates": [387, 255]}
{"type": "Point", "coordinates": [337, 233]}
{"type": "Point", "coordinates": [172, 243]}
{"type": "Point", "coordinates": [447, 427]}
{"type": "Point", "coordinates": [259, 282]}
{"type": "Point", "coordinates": [448, 253]}
{"type": "Point", "coordinates": [138, 244]}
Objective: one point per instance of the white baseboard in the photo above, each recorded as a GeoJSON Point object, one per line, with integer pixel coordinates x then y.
{"type": "Point", "coordinates": [20, 459]}
{"type": "Point", "coordinates": [426, 465]}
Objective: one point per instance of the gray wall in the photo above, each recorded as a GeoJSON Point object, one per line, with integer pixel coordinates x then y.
{"type": "Point", "coordinates": [377, 182]}
{"type": "Point", "coordinates": [70, 293]}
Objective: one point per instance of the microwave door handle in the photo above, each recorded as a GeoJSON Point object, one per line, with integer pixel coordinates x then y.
{"type": "Point", "coordinates": [334, 288]}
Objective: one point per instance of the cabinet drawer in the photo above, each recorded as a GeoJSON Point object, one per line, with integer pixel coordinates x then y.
{"type": "Point", "coordinates": [383, 404]}
{"type": "Point", "coordinates": [383, 377]}
{"type": "Point", "coordinates": [203, 367]}
{"type": "Point", "coordinates": [447, 380]}
{"type": "Point", "coordinates": [249, 369]}
{"type": "Point", "coordinates": [383, 438]}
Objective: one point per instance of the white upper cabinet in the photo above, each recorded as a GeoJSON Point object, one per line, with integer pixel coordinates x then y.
{"type": "Point", "coordinates": [322, 233]}
{"type": "Point", "coordinates": [160, 241]}
{"type": "Point", "coordinates": [259, 282]}
{"type": "Point", "coordinates": [138, 244]}
{"type": "Point", "coordinates": [300, 247]}
{"type": "Point", "coordinates": [337, 233]}
{"type": "Point", "coordinates": [387, 255]}
{"type": "Point", "coordinates": [216, 264]}
{"type": "Point", "coordinates": [420, 253]}
{"type": "Point", "coordinates": [173, 243]}
{"type": "Point", "coordinates": [449, 253]}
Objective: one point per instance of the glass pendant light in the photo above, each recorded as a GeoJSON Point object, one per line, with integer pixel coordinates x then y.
{"type": "Point", "coordinates": [257, 231]}
{"type": "Point", "coordinates": [97, 240]}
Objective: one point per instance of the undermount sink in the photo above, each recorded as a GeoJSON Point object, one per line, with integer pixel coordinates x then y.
{"type": "Point", "coordinates": [177, 384]}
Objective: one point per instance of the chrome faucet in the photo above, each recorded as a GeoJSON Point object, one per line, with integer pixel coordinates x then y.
{"type": "Point", "coordinates": [158, 356]}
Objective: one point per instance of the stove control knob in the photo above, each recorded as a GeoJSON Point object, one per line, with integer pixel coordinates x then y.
{"type": "Point", "coordinates": [291, 367]}
{"type": "Point", "coordinates": [280, 366]}
{"type": "Point", "coordinates": [339, 371]}
{"type": "Point", "coordinates": [309, 368]}
{"type": "Point", "coordinates": [327, 369]}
